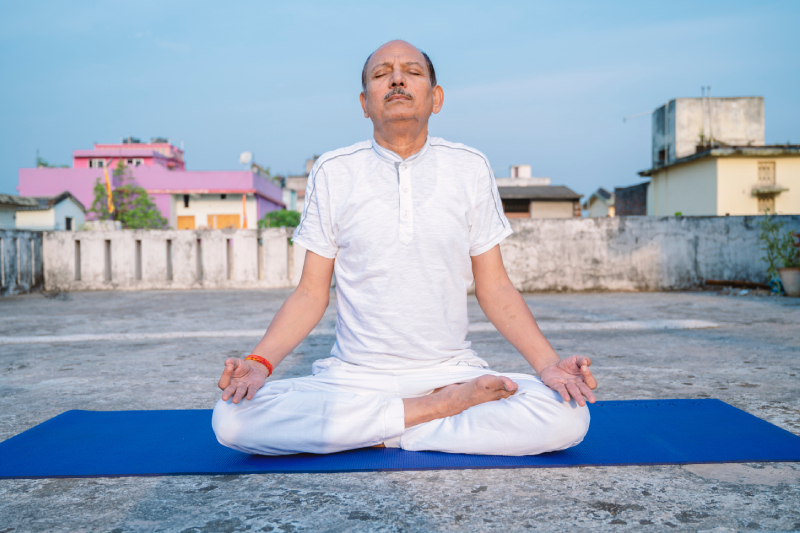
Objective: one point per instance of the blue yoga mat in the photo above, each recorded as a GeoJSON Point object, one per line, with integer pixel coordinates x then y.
{"type": "Point", "coordinates": [144, 443]}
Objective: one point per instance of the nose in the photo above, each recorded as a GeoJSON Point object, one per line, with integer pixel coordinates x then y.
{"type": "Point", "coordinates": [398, 80]}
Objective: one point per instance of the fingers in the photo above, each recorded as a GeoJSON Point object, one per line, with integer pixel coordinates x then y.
{"type": "Point", "coordinates": [575, 392]}
{"type": "Point", "coordinates": [228, 392]}
{"type": "Point", "coordinates": [241, 390]}
{"type": "Point", "coordinates": [588, 378]}
{"type": "Point", "coordinates": [586, 391]}
{"type": "Point", "coordinates": [252, 389]}
{"type": "Point", "coordinates": [230, 367]}
{"type": "Point", "coordinates": [561, 389]}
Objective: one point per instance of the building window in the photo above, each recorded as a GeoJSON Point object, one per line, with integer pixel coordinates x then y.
{"type": "Point", "coordinates": [766, 203]}
{"type": "Point", "coordinates": [766, 173]}
{"type": "Point", "coordinates": [96, 163]}
{"type": "Point", "coordinates": [134, 162]}
{"type": "Point", "coordinates": [516, 206]}
{"type": "Point", "coordinates": [185, 200]}
{"type": "Point", "coordinates": [68, 223]}
{"type": "Point", "coordinates": [223, 196]}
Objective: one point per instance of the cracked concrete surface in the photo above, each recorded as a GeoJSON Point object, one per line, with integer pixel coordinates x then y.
{"type": "Point", "coordinates": [751, 361]}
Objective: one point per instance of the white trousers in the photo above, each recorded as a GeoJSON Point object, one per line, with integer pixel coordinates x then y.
{"type": "Point", "coordinates": [344, 406]}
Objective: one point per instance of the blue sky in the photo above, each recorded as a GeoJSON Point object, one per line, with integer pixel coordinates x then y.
{"type": "Point", "coordinates": [545, 84]}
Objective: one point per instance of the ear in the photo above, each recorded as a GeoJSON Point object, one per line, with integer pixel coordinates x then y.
{"type": "Point", "coordinates": [438, 98]}
{"type": "Point", "coordinates": [363, 99]}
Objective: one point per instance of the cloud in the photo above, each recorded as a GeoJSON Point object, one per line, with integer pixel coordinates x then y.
{"type": "Point", "coordinates": [175, 47]}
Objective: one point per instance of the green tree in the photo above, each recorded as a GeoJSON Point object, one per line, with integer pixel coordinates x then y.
{"type": "Point", "coordinates": [278, 219]}
{"type": "Point", "coordinates": [780, 249]}
{"type": "Point", "coordinates": [132, 205]}
{"type": "Point", "coordinates": [42, 163]}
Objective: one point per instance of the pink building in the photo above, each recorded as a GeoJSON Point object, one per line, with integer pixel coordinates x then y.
{"type": "Point", "coordinates": [187, 199]}
{"type": "Point", "coordinates": [132, 153]}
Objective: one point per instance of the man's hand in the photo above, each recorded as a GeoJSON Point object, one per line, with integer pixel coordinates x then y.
{"type": "Point", "coordinates": [571, 377]}
{"type": "Point", "coordinates": [241, 378]}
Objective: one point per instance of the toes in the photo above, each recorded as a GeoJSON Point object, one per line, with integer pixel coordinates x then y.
{"type": "Point", "coordinates": [509, 385]}
{"type": "Point", "coordinates": [496, 383]}
{"type": "Point", "coordinates": [489, 388]}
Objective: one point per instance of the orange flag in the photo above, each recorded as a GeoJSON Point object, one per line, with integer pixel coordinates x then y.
{"type": "Point", "coordinates": [244, 211]}
{"type": "Point", "coordinates": [108, 187]}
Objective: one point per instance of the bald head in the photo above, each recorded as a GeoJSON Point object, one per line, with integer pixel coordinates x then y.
{"type": "Point", "coordinates": [400, 94]}
{"type": "Point", "coordinates": [424, 59]}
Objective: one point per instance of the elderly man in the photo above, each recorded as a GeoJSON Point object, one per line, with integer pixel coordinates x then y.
{"type": "Point", "coordinates": [407, 222]}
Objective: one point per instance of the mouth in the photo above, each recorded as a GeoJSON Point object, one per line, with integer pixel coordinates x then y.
{"type": "Point", "coordinates": [397, 94]}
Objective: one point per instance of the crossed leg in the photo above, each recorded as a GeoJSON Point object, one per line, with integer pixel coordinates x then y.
{"type": "Point", "coordinates": [483, 413]}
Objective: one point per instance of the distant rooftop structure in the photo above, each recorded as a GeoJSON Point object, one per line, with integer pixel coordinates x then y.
{"type": "Point", "coordinates": [17, 201]}
{"type": "Point", "coordinates": [685, 126]}
{"type": "Point", "coordinates": [51, 213]}
{"type": "Point", "coordinates": [520, 171]}
{"type": "Point", "coordinates": [132, 152]}
{"type": "Point", "coordinates": [187, 199]}
{"type": "Point", "coordinates": [600, 203]}
{"type": "Point", "coordinates": [631, 200]}
{"type": "Point", "coordinates": [540, 201]}
{"type": "Point", "coordinates": [43, 203]}
{"type": "Point", "coordinates": [709, 159]}
{"type": "Point", "coordinates": [521, 176]}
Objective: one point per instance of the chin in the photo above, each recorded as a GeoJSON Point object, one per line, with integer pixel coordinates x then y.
{"type": "Point", "coordinates": [398, 117]}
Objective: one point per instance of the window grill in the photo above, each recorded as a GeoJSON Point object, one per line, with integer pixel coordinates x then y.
{"type": "Point", "coordinates": [766, 173]}
{"type": "Point", "coordinates": [766, 203]}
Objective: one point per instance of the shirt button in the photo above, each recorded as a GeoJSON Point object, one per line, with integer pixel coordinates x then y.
{"type": "Point", "coordinates": [405, 189]}
{"type": "Point", "coordinates": [403, 167]}
{"type": "Point", "coordinates": [405, 214]}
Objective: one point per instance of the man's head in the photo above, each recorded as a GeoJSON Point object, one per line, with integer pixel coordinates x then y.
{"type": "Point", "coordinates": [399, 87]}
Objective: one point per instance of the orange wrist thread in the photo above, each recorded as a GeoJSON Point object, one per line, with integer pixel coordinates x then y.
{"type": "Point", "coordinates": [259, 359]}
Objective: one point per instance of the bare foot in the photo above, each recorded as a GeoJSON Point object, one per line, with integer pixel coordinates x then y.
{"type": "Point", "coordinates": [453, 399]}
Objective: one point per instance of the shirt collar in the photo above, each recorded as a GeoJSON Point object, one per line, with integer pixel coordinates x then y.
{"type": "Point", "coordinates": [388, 155]}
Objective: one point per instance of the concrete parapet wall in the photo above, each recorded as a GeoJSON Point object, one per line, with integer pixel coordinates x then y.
{"type": "Point", "coordinates": [614, 254]}
{"type": "Point", "coordinates": [21, 264]}
{"type": "Point", "coordinates": [150, 259]}
{"type": "Point", "coordinates": [634, 253]}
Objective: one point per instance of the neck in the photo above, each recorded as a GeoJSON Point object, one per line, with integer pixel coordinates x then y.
{"type": "Point", "coordinates": [401, 139]}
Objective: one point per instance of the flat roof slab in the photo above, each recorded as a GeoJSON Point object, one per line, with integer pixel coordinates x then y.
{"type": "Point", "coordinates": [751, 360]}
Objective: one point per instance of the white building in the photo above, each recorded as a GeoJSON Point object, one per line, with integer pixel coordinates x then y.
{"type": "Point", "coordinates": [524, 196]}
{"type": "Point", "coordinates": [600, 203]}
{"type": "Point", "coordinates": [52, 213]}
{"type": "Point", "coordinates": [9, 205]}
{"type": "Point", "coordinates": [214, 211]}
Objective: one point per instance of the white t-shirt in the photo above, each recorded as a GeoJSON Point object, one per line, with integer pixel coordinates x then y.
{"type": "Point", "coordinates": [402, 233]}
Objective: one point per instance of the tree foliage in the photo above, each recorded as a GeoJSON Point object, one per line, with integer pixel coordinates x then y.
{"type": "Point", "coordinates": [132, 205]}
{"type": "Point", "coordinates": [42, 163]}
{"type": "Point", "coordinates": [780, 249]}
{"type": "Point", "coordinates": [278, 219]}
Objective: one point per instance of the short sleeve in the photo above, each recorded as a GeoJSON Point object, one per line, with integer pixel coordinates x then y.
{"type": "Point", "coordinates": [315, 231]}
{"type": "Point", "coordinates": [489, 224]}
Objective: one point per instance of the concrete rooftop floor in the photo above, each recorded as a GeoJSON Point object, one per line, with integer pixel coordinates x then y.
{"type": "Point", "coordinates": [751, 361]}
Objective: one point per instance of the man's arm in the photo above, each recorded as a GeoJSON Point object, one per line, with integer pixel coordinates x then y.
{"type": "Point", "coordinates": [507, 311]}
{"type": "Point", "coordinates": [294, 321]}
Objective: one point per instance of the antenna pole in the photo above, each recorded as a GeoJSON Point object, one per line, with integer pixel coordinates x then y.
{"type": "Point", "coordinates": [625, 119]}
{"type": "Point", "coordinates": [710, 124]}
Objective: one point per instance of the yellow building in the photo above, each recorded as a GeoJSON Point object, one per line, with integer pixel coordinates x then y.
{"type": "Point", "coordinates": [730, 180]}
{"type": "Point", "coordinates": [709, 159]}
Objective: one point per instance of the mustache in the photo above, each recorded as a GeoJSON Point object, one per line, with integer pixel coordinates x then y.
{"type": "Point", "coordinates": [397, 90]}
